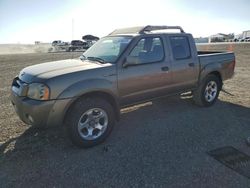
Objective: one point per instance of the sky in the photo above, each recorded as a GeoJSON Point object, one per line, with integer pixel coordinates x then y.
{"type": "Point", "coordinates": [26, 21]}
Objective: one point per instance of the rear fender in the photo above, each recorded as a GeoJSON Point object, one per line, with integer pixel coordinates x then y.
{"type": "Point", "coordinates": [210, 68]}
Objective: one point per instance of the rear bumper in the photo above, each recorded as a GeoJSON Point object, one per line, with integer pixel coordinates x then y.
{"type": "Point", "coordinates": [40, 113]}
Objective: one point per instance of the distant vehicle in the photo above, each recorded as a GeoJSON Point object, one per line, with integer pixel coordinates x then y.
{"type": "Point", "coordinates": [77, 45]}
{"type": "Point", "coordinates": [127, 67]}
{"type": "Point", "coordinates": [247, 39]}
{"type": "Point", "coordinates": [246, 35]}
{"type": "Point", "coordinates": [59, 43]}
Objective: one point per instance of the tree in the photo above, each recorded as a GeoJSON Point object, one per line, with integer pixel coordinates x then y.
{"type": "Point", "coordinates": [90, 38]}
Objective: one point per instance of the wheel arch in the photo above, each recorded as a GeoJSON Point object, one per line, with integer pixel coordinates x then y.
{"type": "Point", "coordinates": [100, 94]}
{"type": "Point", "coordinates": [198, 94]}
{"type": "Point", "coordinates": [205, 72]}
{"type": "Point", "coordinates": [218, 75]}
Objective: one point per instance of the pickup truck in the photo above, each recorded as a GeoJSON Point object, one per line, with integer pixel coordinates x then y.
{"type": "Point", "coordinates": [58, 43]}
{"type": "Point", "coordinates": [129, 66]}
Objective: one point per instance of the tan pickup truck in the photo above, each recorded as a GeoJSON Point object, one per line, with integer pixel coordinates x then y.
{"type": "Point", "coordinates": [126, 67]}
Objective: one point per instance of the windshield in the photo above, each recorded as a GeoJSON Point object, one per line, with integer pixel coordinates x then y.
{"type": "Point", "coordinates": [108, 48]}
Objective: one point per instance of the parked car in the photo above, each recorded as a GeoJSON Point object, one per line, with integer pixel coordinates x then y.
{"type": "Point", "coordinates": [77, 45]}
{"type": "Point", "coordinates": [247, 39]}
{"type": "Point", "coordinates": [127, 67]}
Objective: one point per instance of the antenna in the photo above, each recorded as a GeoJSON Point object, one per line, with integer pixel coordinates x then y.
{"type": "Point", "coordinates": [72, 24]}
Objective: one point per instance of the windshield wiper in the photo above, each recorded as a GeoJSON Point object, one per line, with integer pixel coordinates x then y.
{"type": "Point", "coordinates": [83, 57]}
{"type": "Point", "coordinates": [100, 60]}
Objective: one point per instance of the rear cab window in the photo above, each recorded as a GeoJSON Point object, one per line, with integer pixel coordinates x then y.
{"type": "Point", "coordinates": [180, 47]}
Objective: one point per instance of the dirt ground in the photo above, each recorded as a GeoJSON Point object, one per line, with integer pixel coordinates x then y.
{"type": "Point", "coordinates": [10, 66]}
{"type": "Point", "coordinates": [160, 143]}
{"type": "Point", "coordinates": [24, 48]}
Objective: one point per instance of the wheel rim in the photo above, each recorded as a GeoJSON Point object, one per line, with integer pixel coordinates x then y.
{"type": "Point", "coordinates": [211, 91]}
{"type": "Point", "coordinates": [93, 123]}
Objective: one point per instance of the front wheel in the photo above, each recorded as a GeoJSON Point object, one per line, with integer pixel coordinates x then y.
{"type": "Point", "coordinates": [90, 121]}
{"type": "Point", "coordinates": [208, 91]}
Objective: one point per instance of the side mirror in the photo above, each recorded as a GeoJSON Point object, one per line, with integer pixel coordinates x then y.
{"type": "Point", "coordinates": [125, 64]}
{"type": "Point", "coordinates": [131, 61]}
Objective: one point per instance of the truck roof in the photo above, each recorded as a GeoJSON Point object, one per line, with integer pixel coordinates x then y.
{"type": "Point", "coordinates": [144, 30]}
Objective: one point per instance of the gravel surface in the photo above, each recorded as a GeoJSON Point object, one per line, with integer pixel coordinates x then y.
{"type": "Point", "coordinates": [163, 143]}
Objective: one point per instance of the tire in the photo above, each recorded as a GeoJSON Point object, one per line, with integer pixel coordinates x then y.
{"type": "Point", "coordinates": [208, 91]}
{"type": "Point", "coordinates": [90, 121]}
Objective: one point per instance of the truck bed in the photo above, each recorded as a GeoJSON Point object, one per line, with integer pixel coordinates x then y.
{"type": "Point", "coordinates": [225, 61]}
{"type": "Point", "coordinates": [209, 52]}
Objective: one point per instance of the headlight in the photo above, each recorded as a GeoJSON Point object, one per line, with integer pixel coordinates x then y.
{"type": "Point", "coordinates": [38, 91]}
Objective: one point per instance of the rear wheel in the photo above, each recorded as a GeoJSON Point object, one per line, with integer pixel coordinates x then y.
{"type": "Point", "coordinates": [208, 91]}
{"type": "Point", "coordinates": [90, 121]}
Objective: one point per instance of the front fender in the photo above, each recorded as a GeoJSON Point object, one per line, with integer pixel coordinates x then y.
{"type": "Point", "coordinates": [89, 86]}
{"type": "Point", "coordinates": [86, 86]}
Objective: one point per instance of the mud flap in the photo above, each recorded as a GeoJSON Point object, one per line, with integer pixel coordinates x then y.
{"type": "Point", "coordinates": [223, 90]}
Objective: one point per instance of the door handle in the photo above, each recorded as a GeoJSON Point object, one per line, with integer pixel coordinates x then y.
{"type": "Point", "coordinates": [191, 64]}
{"type": "Point", "coordinates": [165, 69]}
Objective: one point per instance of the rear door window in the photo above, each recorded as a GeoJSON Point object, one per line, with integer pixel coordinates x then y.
{"type": "Point", "coordinates": [180, 47]}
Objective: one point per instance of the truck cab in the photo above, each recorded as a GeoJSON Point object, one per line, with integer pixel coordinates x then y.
{"type": "Point", "coordinates": [157, 64]}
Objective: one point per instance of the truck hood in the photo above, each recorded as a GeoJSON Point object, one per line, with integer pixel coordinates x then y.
{"type": "Point", "coordinates": [56, 68]}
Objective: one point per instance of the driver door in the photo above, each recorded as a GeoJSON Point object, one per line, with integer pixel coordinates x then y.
{"type": "Point", "coordinates": [148, 76]}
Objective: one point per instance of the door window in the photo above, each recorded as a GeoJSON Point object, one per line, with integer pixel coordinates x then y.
{"type": "Point", "coordinates": [148, 50]}
{"type": "Point", "coordinates": [180, 47]}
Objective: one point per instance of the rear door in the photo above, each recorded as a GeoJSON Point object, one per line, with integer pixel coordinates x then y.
{"type": "Point", "coordinates": [150, 77]}
{"type": "Point", "coordinates": [185, 64]}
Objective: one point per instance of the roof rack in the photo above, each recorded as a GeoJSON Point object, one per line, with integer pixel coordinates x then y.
{"type": "Point", "coordinates": [144, 29]}
{"type": "Point", "coordinates": [149, 28]}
